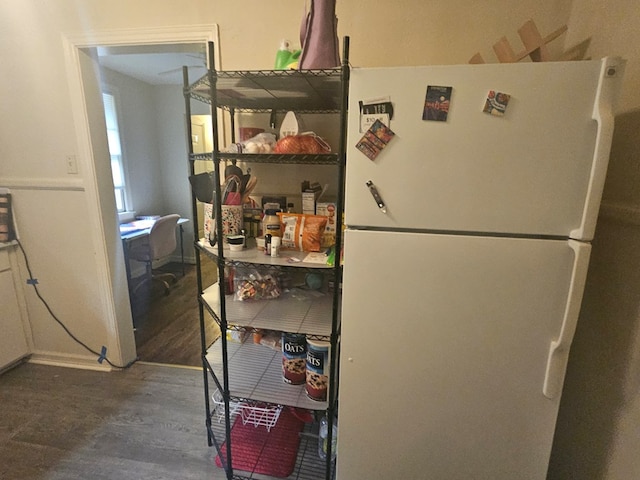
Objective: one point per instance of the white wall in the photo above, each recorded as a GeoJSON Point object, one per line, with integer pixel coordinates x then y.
{"type": "Point", "coordinates": [174, 167]}
{"type": "Point", "coordinates": [138, 118]}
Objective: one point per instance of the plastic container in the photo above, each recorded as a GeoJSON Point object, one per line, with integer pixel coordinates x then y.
{"type": "Point", "coordinates": [323, 435]}
{"type": "Point", "coordinates": [275, 246]}
{"type": "Point", "coordinates": [271, 223]}
{"type": "Point", "coordinates": [236, 242]}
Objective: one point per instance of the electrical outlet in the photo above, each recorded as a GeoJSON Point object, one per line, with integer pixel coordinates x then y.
{"type": "Point", "coordinates": [72, 164]}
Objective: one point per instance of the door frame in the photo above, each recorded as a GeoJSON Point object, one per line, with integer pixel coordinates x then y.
{"type": "Point", "coordinates": [82, 78]}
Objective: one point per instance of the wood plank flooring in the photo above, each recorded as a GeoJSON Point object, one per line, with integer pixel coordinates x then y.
{"type": "Point", "coordinates": [146, 422]}
{"type": "Point", "coordinates": [167, 327]}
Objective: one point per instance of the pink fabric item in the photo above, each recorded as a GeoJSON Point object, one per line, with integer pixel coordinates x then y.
{"type": "Point", "coordinates": [273, 453]}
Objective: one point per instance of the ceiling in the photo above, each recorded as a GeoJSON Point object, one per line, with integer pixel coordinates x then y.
{"type": "Point", "coordinates": [155, 64]}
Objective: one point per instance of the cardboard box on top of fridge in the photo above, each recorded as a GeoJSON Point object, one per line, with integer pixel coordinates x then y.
{"type": "Point", "coordinates": [328, 209]}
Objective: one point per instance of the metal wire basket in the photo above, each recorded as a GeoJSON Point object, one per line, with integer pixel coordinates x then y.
{"type": "Point", "coordinates": [253, 413]}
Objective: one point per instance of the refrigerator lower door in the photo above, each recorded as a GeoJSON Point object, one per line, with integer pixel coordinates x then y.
{"type": "Point", "coordinates": [453, 352]}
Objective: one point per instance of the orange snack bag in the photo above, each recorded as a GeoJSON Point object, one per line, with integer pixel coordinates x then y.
{"type": "Point", "coordinates": [302, 231]}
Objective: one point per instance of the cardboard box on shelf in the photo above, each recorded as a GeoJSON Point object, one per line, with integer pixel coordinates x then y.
{"type": "Point", "coordinates": [309, 202]}
{"type": "Point", "coordinates": [328, 209]}
{"type": "Point", "coordinates": [311, 193]}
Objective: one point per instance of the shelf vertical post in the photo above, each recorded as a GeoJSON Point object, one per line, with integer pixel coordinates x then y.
{"type": "Point", "coordinates": [196, 228]}
{"type": "Point", "coordinates": [335, 325]}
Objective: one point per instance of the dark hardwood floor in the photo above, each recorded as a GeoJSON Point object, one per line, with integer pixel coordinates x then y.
{"type": "Point", "coordinates": [142, 423]}
{"type": "Point", "coordinates": [167, 328]}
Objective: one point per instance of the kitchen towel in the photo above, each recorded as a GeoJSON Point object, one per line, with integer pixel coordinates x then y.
{"type": "Point", "coordinates": [274, 452]}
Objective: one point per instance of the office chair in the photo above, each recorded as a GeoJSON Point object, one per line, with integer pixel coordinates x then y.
{"type": "Point", "coordinates": [160, 243]}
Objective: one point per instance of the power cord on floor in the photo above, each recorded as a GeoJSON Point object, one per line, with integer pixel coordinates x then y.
{"type": "Point", "coordinates": [33, 282]}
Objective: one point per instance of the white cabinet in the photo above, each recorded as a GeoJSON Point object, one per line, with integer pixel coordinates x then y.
{"type": "Point", "coordinates": [13, 341]}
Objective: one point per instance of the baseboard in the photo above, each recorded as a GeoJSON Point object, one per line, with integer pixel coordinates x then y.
{"type": "Point", "coordinates": [70, 361]}
{"type": "Point", "coordinates": [14, 364]}
{"type": "Point", "coordinates": [172, 365]}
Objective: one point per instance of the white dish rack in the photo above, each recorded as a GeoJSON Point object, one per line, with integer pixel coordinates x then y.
{"type": "Point", "coordinates": [254, 413]}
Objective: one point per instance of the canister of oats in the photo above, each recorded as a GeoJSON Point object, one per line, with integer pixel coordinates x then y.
{"type": "Point", "coordinates": [294, 357]}
{"type": "Point", "coordinates": [318, 364]}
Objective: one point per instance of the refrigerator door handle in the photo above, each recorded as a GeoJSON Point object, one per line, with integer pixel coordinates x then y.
{"type": "Point", "coordinates": [559, 349]}
{"type": "Point", "coordinates": [611, 71]}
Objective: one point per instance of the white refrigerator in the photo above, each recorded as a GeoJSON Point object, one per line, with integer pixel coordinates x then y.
{"type": "Point", "coordinates": [466, 250]}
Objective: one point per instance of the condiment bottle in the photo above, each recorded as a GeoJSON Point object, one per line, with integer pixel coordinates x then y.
{"type": "Point", "coordinates": [267, 244]}
{"type": "Point", "coordinates": [271, 223]}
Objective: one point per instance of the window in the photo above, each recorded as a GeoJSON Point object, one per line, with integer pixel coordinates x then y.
{"type": "Point", "coordinates": [115, 151]}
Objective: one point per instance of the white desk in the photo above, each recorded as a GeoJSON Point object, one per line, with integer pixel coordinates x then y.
{"type": "Point", "coordinates": [138, 229]}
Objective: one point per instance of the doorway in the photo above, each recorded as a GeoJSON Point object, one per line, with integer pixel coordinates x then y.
{"type": "Point", "coordinates": [147, 71]}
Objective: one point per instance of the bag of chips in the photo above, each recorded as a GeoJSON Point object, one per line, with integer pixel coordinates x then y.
{"type": "Point", "coordinates": [302, 231]}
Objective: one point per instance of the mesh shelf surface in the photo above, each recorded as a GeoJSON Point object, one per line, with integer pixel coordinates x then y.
{"type": "Point", "coordinates": [266, 90]}
{"type": "Point", "coordinates": [255, 373]}
{"type": "Point", "coordinates": [306, 314]}
{"type": "Point", "coordinates": [253, 256]}
{"type": "Point", "coordinates": [277, 158]}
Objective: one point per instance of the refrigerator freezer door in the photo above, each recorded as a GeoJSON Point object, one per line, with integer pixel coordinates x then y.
{"type": "Point", "coordinates": [532, 171]}
{"type": "Point", "coordinates": [444, 354]}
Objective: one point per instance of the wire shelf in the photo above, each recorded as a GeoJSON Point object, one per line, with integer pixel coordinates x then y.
{"type": "Point", "coordinates": [272, 158]}
{"type": "Point", "coordinates": [252, 257]}
{"type": "Point", "coordinates": [310, 315]}
{"type": "Point", "coordinates": [308, 91]}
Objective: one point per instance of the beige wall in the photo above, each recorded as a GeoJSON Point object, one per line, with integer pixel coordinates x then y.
{"type": "Point", "coordinates": [38, 131]}
{"type": "Point", "coordinates": [383, 33]}
{"type": "Point", "coordinates": [597, 434]}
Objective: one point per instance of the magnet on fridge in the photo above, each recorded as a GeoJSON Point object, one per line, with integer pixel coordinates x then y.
{"type": "Point", "coordinates": [375, 139]}
{"type": "Point", "coordinates": [375, 109]}
{"type": "Point", "coordinates": [496, 103]}
{"type": "Point", "coordinates": [436, 103]}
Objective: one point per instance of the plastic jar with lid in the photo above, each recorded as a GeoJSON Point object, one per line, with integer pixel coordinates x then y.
{"type": "Point", "coordinates": [271, 223]}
